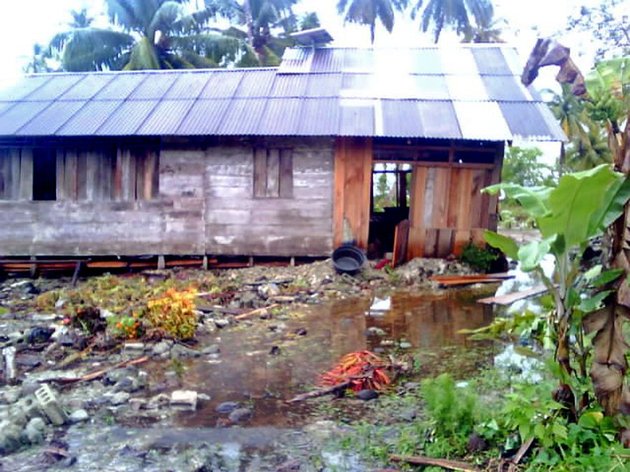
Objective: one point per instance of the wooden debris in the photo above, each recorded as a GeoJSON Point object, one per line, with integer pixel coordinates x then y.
{"type": "Point", "coordinates": [519, 454]}
{"type": "Point", "coordinates": [99, 373]}
{"type": "Point", "coordinates": [321, 392]}
{"type": "Point", "coordinates": [10, 367]}
{"type": "Point", "coordinates": [513, 297]}
{"type": "Point", "coordinates": [457, 280]}
{"type": "Point", "coordinates": [258, 311]}
{"type": "Point", "coordinates": [444, 463]}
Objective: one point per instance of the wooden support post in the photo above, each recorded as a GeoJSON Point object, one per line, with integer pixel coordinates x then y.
{"type": "Point", "coordinates": [292, 262]}
{"type": "Point", "coordinates": [251, 261]}
{"type": "Point", "coordinates": [161, 264]}
{"type": "Point", "coordinates": [205, 263]}
{"type": "Point", "coordinates": [75, 276]}
{"type": "Point", "coordinates": [33, 269]}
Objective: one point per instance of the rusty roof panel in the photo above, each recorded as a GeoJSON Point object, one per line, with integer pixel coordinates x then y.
{"type": "Point", "coordinates": [222, 84]}
{"type": "Point", "coordinates": [88, 87]}
{"type": "Point", "coordinates": [155, 87]}
{"type": "Point", "coordinates": [289, 86]}
{"type": "Point", "coordinates": [89, 118]}
{"type": "Point", "coordinates": [128, 118]}
{"type": "Point", "coordinates": [324, 85]}
{"type": "Point", "coordinates": [166, 118]}
{"type": "Point", "coordinates": [401, 118]}
{"type": "Point", "coordinates": [121, 87]}
{"type": "Point", "coordinates": [356, 117]}
{"type": "Point", "coordinates": [319, 117]}
{"type": "Point", "coordinates": [490, 61]}
{"type": "Point", "coordinates": [256, 84]}
{"type": "Point", "coordinates": [531, 121]}
{"type": "Point", "coordinates": [439, 120]}
{"type": "Point", "coordinates": [243, 117]}
{"type": "Point", "coordinates": [51, 119]}
{"type": "Point", "coordinates": [204, 118]}
{"type": "Point", "coordinates": [20, 114]}
{"type": "Point", "coordinates": [54, 88]}
{"type": "Point", "coordinates": [281, 117]}
{"type": "Point", "coordinates": [23, 88]}
{"type": "Point", "coordinates": [188, 86]}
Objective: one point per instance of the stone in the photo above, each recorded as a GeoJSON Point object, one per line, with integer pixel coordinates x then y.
{"type": "Point", "coordinates": [269, 290]}
{"type": "Point", "coordinates": [375, 331]}
{"type": "Point", "coordinates": [59, 304]}
{"type": "Point", "coordinates": [301, 332]}
{"type": "Point", "coordinates": [9, 437]}
{"type": "Point", "coordinates": [127, 384]}
{"type": "Point", "coordinates": [138, 404]}
{"type": "Point", "coordinates": [212, 349]}
{"type": "Point", "coordinates": [182, 351]}
{"type": "Point", "coordinates": [11, 395]}
{"type": "Point", "coordinates": [162, 347]}
{"type": "Point", "coordinates": [366, 395]}
{"type": "Point", "coordinates": [408, 415]}
{"type": "Point", "coordinates": [78, 416]}
{"type": "Point", "coordinates": [203, 397]}
{"type": "Point", "coordinates": [35, 431]}
{"type": "Point", "coordinates": [134, 347]}
{"type": "Point", "coordinates": [44, 317]}
{"type": "Point", "coordinates": [290, 465]}
{"type": "Point", "coordinates": [221, 323]}
{"type": "Point", "coordinates": [184, 398]}
{"type": "Point", "coordinates": [114, 376]}
{"type": "Point", "coordinates": [157, 401]}
{"type": "Point", "coordinates": [119, 398]}
{"type": "Point", "coordinates": [226, 407]}
{"type": "Point", "coordinates": [405, 345]}
{"type": "Point", "coordinates": [240, 415]}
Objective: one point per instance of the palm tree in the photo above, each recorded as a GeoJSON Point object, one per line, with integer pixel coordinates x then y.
{"type": "Point", "coordinates": [263, 20]}
{"type": "Point", "coordinates": [146, 34]}
{"type": "Point", "coordinates": [366, 12]}
{"type": "Point", "coordinates": [486, 29]}
{"type": "Point", "coordinates": [455, 13]}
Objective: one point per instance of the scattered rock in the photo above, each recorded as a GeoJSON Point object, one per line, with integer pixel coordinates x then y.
{"type": "Point", "coordinates": [375, 331]}
{"type": "Point", "coordinates": [180, 351]}
{"type": "Point", "coordinates": [119, 398]}
{"type": "Point", "coordinates": [240, 415]}
{"type": "Point", "coordinates": [9, 437]}
{"type": "Point", "coordinates": [221, 323]}
{"type": "Point", "coordinates": [269, 290]}
{"type": "Point", "coordinates": [289, 466]}
{"type": "Point", "coordinates": [212, 349]}
{"type": "Point", "coordinates": [405, 345]}
{"type": "Point", "coordinates": [408, 415]}
{"type": "Point", "coordinates": [78, 416]}
{"type": "Point", "coordinates": [203, 397]}
{"type": "Point", "coordinates": [35, 431]}
{"type": "Point", "coordinates": [274, 351]}
{"type": "Point", "coordinates": [301, 332]}
{"type": "Point", "coordinates": [134, 347]}
{"type": "Point", "coordinates": [138, 404]}
{"type": "Point", "coordinates": [163, 347]}
{"type": "Point", "coordinates": [40, 335]}
{"type": "Point", "coordinates": [226, 407]}
{"type": "Point", "coordinates": [366, 395]}
{"type": "Point", "coordinates": [184, 398]}
{"type": "Point", "coordinates": [476, 443]}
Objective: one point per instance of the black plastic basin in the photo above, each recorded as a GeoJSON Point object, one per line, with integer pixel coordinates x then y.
{"type": "Point", "coordinates": [348, 259]}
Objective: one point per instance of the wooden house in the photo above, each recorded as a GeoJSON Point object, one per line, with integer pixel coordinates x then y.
{"type": "Point", "coordinates": [263, 162]}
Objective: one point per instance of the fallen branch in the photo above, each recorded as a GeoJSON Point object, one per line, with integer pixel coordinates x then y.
{"type": "Point", "coordinates": [258, 311]}
{"type": "Point", "coordinates": [444, 463]}
{"type": "Point", "coordinates": [321, 392]}
{"type": "Point", "coordinates": [99, 373]}
{"type": "Point", "coordinates": [518, 457]}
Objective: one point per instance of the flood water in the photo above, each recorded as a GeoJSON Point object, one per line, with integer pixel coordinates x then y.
{"type": "Point", "coordinates": [247, 372]}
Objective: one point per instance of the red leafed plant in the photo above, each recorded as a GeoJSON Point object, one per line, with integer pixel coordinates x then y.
{"type": "Point", "coordinates": [362, 370]}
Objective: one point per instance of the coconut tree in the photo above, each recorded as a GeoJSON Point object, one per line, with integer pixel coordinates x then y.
{"type": "Point", "coordinates": [486, 29]}
{"type": "Point", "coordinates": [366, 12]}
{"type": "Point", "coordinates": [145, 34]}
{"type": "Point", "coordinates": [458, 14]}
{"type": "Point", "coordinates": [266, 23]}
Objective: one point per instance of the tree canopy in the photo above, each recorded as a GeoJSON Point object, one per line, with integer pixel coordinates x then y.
{"type": "Point", "coordinates": [367, 12]}
{"type": "Point", "coordinates": [460, 15]}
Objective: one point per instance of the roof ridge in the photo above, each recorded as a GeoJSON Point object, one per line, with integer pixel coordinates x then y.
{"type": "Point", "coordinates": [148, 71]}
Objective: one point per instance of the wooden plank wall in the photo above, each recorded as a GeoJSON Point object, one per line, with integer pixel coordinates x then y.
{"type": "Point", "coordinates": [448, 209]}
{"type": "Point", "coordinates": [353, 178]}
{"type": "Point", "coordinates": [16, 174]}
{"type": "Point", "coordinates": [239, 221]}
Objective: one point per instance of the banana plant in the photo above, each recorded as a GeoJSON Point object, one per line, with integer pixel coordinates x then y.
{"type": "Point", "coordinates": [569, 215]}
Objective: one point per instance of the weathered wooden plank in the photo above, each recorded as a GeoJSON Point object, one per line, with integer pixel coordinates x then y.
{"type": "Point", "coordinates": [61, 176]}
{"type": "Point", "coordinates": [14, 180]}
{"type": "Point", "coordinates": [273, 173]}
{"type": "Point", "coordinates": [260, 173]}
{"type": "Point", "coordinates": [441, 198]}
{"type": "Point", "coordinates": [81, 176]}
{"type": "Point", "coordinates": [92, 176]}
{"type": "Point", "coordinates": [140, 158]}
{"type": "Point", "coordinates": [430, 243]}
{"type": "Point", "coordinates": [286, 175]}
{"type": "Point", "coordinates": [401, 239]}
{"type": "Point", "coordinates": [445, 242]}
{"type": "Point", "coordinates": [476, 197]}
{"type": "Point", "coordinates": [5, 174]}
{"type": "Point", "coordinates": [461, 238]}
{"type": "Point", "coordinates": [26, 174]}
{"type": "Point", "coordinates": [71, 175]}
{"type": "Point", "coordinates": [150, 174]}
{"type": "Point", "coordinates": [429, 196]}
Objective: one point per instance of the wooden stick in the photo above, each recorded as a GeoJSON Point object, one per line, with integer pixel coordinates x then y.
{"type": "Point", "coordinates": [513, 297]}
{"type": "Point", "coordinates": [99, 373]}
{"type": "Point", "coordinates": [444, 463]}
{"type": "Point", "coordinates": [258, 311]}
{"type": "Point", "coordinates": [519, 454]}
{"type": "Point", "coordinates": [321, 392]}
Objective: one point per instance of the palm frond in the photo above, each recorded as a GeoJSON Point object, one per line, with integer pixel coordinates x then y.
{"type": "Point", "coordinates": [143, 56]}
{"type": "Point", "coordinates": [93, 49]}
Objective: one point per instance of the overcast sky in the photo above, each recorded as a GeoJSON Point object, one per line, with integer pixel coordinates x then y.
{"type": "Point", "coordinates": [26, 22]}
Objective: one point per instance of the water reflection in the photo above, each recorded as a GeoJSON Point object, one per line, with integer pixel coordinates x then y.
{"type": "Point", "coordinates": [250, 374]}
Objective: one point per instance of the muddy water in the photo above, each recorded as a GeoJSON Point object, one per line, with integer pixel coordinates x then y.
{"type": "Point", "coordinates": [247, 372]}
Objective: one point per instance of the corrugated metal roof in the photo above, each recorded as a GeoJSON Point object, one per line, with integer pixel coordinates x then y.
{"type": "Point", "coordinates": [451, 92]}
